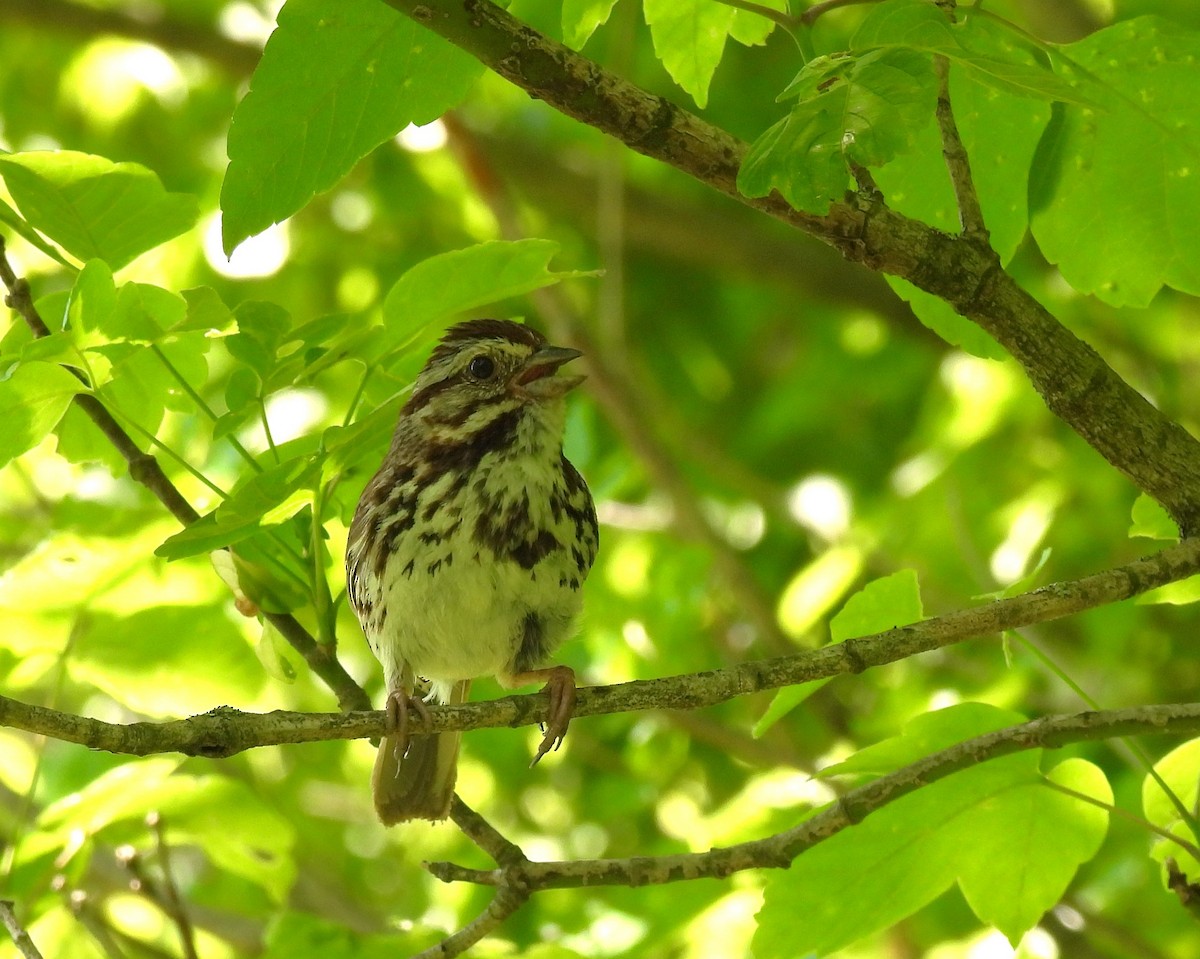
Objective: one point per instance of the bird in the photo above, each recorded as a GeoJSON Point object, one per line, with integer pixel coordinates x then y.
{"type": "Point", "coordinates": [468, 550]}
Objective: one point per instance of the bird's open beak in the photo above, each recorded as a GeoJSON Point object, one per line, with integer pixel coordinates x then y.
{"type": "Point", "coordinates": [539, 377]}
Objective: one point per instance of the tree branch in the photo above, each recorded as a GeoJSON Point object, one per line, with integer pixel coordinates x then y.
{"type": "Point", "coordinates": [145, 469]}
{"type": "Point", "coordinates": [225, 731]}
{"type": "Point", "coordinates": [510, 896]}
{"type": "Point", "coordinates": [1155, 453]}
{"type": "Point", "coordinates": [778, 851]}
{"type": "Point", "coordinates": [20, 937]}
{"type": "Point", "coordinates": [958, 164]}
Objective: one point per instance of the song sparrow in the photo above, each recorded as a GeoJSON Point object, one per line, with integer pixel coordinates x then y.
{"type": "Point", "coordinates": [469, 547]}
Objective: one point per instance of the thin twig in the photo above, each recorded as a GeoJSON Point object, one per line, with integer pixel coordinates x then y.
{"type": "Point", "coordinates": [481, 832]}
{"type": "Point", "coordinates": [813, 13]}
{"type": "Point", "coordinates": [785, 20]}
{"type": "Point", "coordinates": [88, 917]}
{"type": "Point", "coordinates": [145, 469]}
{"type": "Point", "coordinates": [510, 896]}
{"type": "Point", "coordinates": [223, 732]}
{"type": "Point", "coordinates": [779, 850]}
{"type": "Point", "coordinates": [957, 162]}
{"type": "Point", "coordinates": [171, 900]}
{"type": "Point", "coordinates": [20, 937]}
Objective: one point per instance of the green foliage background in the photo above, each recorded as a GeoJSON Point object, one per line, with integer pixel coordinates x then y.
{"type": "Point", "coordinates": [756, 375]}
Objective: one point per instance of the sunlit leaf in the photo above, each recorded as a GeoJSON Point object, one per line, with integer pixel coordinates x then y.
{"type": "Point", "coordinates": [905, 854]}
{"type": "Point", "coordinates": [332, 85]}
{"type": "Point", "coordinates": [95, 208]}
{"type": "Point", "coordinates": [866, 109]}
{"type": "Point", "coordinates": [689, 37]}
{"type": "Point", "coordinates": [33, 398]}
{"type": "Point", "coordinates": [1115, 191]}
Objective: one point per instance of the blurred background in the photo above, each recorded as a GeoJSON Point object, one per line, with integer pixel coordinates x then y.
{"type": "Point", "coordinates": [765, 429]}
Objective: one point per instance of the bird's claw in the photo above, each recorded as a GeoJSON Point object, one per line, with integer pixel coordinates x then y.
{"type": "Point", "coordinates": [397, 722]}
{"type": "Point", "coordinates": [561, 690]}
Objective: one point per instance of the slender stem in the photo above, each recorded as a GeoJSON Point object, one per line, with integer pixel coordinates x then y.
{"type": "Point", "coordinates": [785, 20]}
{"type": "Point", "coordinates": [153, 440]}
{"type": "Point", "coordinates": [1140, 757]}
{"type": "Point", "coordinates": [817, 10]}
{"type": "Point", "coordinates": [266, 425]}
{"type": "Point", "coordinates": [146, 470]}
{"type": "Point", "coordinates": [958, 164]}
{"type": "Point", "coordinates": [228, 731]}
{"type": "Point", "coordinates": [1166, 834]}
{"type": "Point", "coordinates": [172, 901]}
{"type": "Point", "coordinates": [778, 851]}
{"type": "Point", "coordinates": [319, 586]}
{"type": "Point", "coordinates": [20, 937]}
{"type": "Point", "coordinates": [202, 405]}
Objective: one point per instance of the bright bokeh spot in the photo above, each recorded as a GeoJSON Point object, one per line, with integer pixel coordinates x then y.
{"type": "Point", "coordinates": [246, 22]}
{"type": "Point", "coordinates": [822, 505]}
{"type": "Point", "coordinates": [261, 255]}
{"type": "Point", "coordinates": [423, 139]}
{"type": "Point", "coordinates": [107, 80]}
{"type": "Point", "coordinates": [1030, 519]}
{"type": "Point", "coordinates": [815, 590]}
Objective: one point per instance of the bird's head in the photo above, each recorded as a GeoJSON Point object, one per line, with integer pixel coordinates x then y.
{"type": "Point", "coordinates": [482, 364]}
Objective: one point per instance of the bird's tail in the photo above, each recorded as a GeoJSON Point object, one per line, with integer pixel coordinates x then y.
{"type": "Point", "coordinates": [419, 784]}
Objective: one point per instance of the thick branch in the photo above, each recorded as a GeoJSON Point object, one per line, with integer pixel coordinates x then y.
{"type": "Point", "coordinates": [1158, 455]}
{"type": "Point", "coordinates": [779, 850]}
{"type": "Point", "coordinates": [225, 731]}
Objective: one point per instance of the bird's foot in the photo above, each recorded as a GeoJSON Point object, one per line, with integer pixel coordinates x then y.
{"type": "Point", "coordinates": [560, 687]}
{"type": "Point", "coordinates": [399, 707]}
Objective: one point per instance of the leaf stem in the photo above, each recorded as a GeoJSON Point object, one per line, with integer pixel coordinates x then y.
{"type": "Point", "coordinates": [202, 405]}
{"type": "Point", "coordinates": [1140, 756]}
{"type": "Point", "coordinates": [1166, 834]}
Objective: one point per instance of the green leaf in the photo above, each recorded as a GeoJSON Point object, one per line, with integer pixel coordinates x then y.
{"type": "Point", "coordinates": [452, 283]}
{"type": "Point", "coordinates": [276, 655]}
{"type": "Point", "coordinates": [265, 499]}
{"type": "Point", "coordinates": [752, 29]}
{"type": "Point", "coordinates": [144, 312]}
{"type": "Point", "coordinates": [866, 110]}
{"type": "Point", "coordinates": [1115, 190]}
{"type": "Point", "coordinates": [1181, 593]}
{"type": "Point", "coordinates": [881, 605]}
{"type": "Point", "coordinates": [580, 18]}
{"type": "Point", "coordinates": [1028, 844]}
{"type": "Point", "coordinates": [94, 208]}
{"type": "Point", "coordinates": [256, 843]}
{"type": "Point", "coordinates": [904, 855]}
{"type": "Point", "coordinates": [1180, 771]}
{"type": "Point", "coordinates": [1149, 519]}
{"type": "Point", "coordinates": [333, 83]}
{"type": "Point", "coordinates": [689, 38]}
{"type": "Point", "coordinates": [33, 398]}
{"type": "Point", "coordinates": [1000, 133]}
{"type": "Point", "coordinates": [127, 657]}
{"type": "Point", "coordinates": [206, 313]}
{"type": "Point", "coordinates": [928, 733]}
{"type": "Point", "coordinates": [989, 51]}
{"type": "Point", "coordinates": [92, 304]}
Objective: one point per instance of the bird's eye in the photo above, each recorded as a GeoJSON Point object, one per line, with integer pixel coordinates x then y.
{"type": "Point", "coordinates": [481, 367]}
